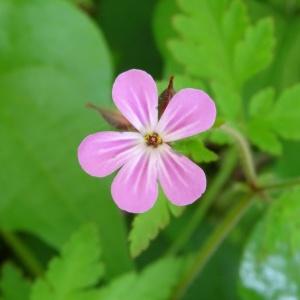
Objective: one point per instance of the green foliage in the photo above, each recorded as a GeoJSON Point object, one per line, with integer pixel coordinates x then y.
{"type": "Point", "coordinates": [75, 274]}
{"type": "Point", "coordinates": [270, 119]}
{"type": "Point", "coordinates": [72, 275]}
{"type": "Point", "coordinates": [54, 58]}
{"type": "Point", "coordinates": [145, 227]}
{"type": "Point", "coordinates": [47, 74]}
{"type": "Point", "coordinates": [237, 50]}
{"type": "Point", "coordinates": [13, 286]}
{"type": "Point", "coordinates": [270, 266]}
{"type": "Point", "coordinates": [154, 283]}
{"type": "Point", "coordinates": [196, 150]}
{"type": "Point", "coordinates": [254, 53]}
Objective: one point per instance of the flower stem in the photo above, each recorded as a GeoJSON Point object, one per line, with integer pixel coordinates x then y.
{"type": "Point", "coordinates": [212, 244]}
{"type": "Point", "coordinates": [23, 253]}
{"type": "Point", "coordinates": [281, 184]}
{"type": "Point", "coordinates": [246, 154]}
{"type": "Point", "coordinates": [228, 164]}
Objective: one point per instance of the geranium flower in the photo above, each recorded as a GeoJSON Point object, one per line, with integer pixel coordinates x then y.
{"type": "Point", "coordinates": [145, 157]}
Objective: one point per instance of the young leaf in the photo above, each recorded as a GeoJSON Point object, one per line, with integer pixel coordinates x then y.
{"type": "Point", "coordinates": [154, 283]}
{"type": "Point", "coordinates": [75, 272]}
{"type": "Point", "coordinates": [145, 227]}
{"type": "Point", "coordinates": [13, 285]}
{"type": "Point", "coordinates": [270, 265]}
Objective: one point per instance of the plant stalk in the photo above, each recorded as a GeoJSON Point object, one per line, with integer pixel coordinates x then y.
{"type": "Point", "coordinates": [23, 253]}
{"type": "Point", "coordinates": [228, 164]}
{"type": "Point", "coordinates": [212, 244]}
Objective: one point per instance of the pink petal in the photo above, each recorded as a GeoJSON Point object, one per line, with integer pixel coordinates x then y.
{"type": "Point", "coordinates": [135, 94]}
{"type": "Point", "coordinates": [102, 153]}
{"type": "Point", "coordinates": [135, 188]}
{"type": "Point", "coordinates": [189, 112]}
{"type": "Point", "coordinates": [183, 181]}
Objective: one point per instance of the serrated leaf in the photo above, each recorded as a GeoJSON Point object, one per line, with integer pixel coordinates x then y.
{"type": "Point", "coordinates": [146, 226]}
{"type": "Point", "coordinates": [217, 43]}
{"type": "Point", "coordinates": [271, 118]}
{"type": "Point", "coordinates": [255, 52]}
{"type": "Point", "coordinates": [78, 269]}
{"type": "Point", "coordinates": [154, 283]}
{"type": "Point", "coordinates": [47, 76]}
{"type": "Point", "coordinates": [270, 268]}
{"type": "Point", "coordinates": [13, 285]}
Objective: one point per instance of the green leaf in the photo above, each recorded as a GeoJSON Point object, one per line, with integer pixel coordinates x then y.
{"type": "Point", "coordinates": [286, 114]}
{"type": "Point", "coordinates": [270, 268]}
{"type": "Point", "coordinates": [263, 137]}
{"type": "Point", "coordinates": [208, 32]}
{"type": "Point", "coordinates": [262, 102]}
{"type": "Point", "coordinates": [75, 271]}
{"type": "Point", "coordinates": [47, 75]}
{"type": "Point", "coordinates": [270, 119]}
{"type": "Point", "coordinates": [254, 53]}
{"type": "Point", "coordinates": [13, 285]}
{"type": "Point", "coordinates": [156, 282]}
{"type": "Point", "coordinates": [146, 226]}
{"type": "Point", "coordinates": [217, 43]}
{"type": "Point", "coordinates": [196, 150]}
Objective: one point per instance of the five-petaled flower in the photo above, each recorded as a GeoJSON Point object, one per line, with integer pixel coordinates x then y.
{"type": "Point", "coordinates": [145, 156]}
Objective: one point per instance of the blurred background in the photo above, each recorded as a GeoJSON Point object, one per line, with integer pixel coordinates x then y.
{"type": "Point", "coordinates": [57, 55]}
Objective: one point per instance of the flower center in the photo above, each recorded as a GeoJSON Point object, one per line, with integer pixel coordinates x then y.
{"type": "Point", "coordinates": [153, 139]}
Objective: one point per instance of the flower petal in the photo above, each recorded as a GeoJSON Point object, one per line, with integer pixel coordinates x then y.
{"type": "Point", "coordinates": [102, 153]}
{"type": "Point", "coordinates": [183, 181]}
{"type": "Point", "coordinates": [135, 94]}
{"type": "Point", "coordinates": [189, 112]}
{"type": "Point", "coordinates": [135, 188]}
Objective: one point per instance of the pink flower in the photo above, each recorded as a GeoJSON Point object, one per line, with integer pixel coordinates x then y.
{"type": "Point", "coordinates": [146, 157]}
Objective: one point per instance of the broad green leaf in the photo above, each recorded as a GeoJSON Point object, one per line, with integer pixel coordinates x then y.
{"type": "Point", "coordinates": [270, 268]}
{"type": "Point", "coordinates": [47, 75]}
{"type": "Point", "coordinates": [77, 270]}
{"type": "Point", "coordinates": [146, 226]}
{"type": "Point", "coordinates": [196, 150]}
{"type": "Point", "coordinates": [13, 285]}
{"type": "Point", "coordinates": [156, 282]}
{"type": "Point", "coordinates": [254, 53]}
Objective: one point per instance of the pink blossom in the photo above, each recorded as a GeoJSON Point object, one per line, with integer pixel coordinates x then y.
{"type": "Point", "coordinates": [145, 158]}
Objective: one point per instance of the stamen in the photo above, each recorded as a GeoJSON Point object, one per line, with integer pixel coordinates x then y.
{"type": "Point", "coordinates": [153, 139]}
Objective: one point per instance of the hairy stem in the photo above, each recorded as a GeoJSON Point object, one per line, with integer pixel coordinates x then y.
{"type": "Point", "coordinates": [228, 164]}
{"type": "Point", "coordinates": [212, 244]}
{"type": "Point", "coordinates": [245, 153]}
{"type": "Point", "coordinates": [23, 253]}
